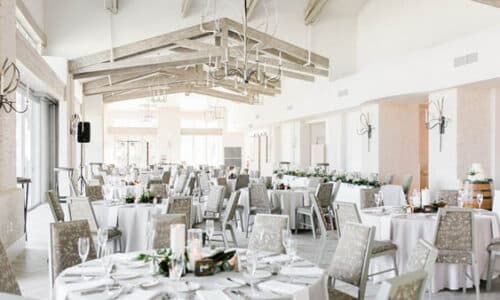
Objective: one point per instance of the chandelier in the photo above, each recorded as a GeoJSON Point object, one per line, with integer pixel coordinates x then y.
{"type": "Point", "coordinates": [9, 81]}
{"type": "Point", "coordinates": [158, 91]}
{"type": "Point", "coordinates": [245, 72]}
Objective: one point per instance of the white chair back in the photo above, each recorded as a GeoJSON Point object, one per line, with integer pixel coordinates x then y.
{"type": "Point", "coordinates": [496, 203]}
{"type": "Point", "coordinates": [393, 195]}
{"type": "Point", "coordinates": [267, 233]}
{"type": "Point", "coordinates": [215, 199]}
{"type": "Point", "coordinates": [81, 209]}
{"type": "Point", "coordinates": [409, 286]}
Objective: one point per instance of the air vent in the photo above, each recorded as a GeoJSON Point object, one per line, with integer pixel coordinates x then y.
{"type": "Point", "coordinates": [465, 60]}
{"type": "Point", "coordinates": [289, 107]}
{"type": "Point", "coordinates": [257, 116]}
{"type": "Point", "coordinates": [343, 93]}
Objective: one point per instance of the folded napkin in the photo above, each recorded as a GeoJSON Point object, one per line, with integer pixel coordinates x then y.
{"type": "Point", "coordinates": [139, 293]}
{"type": "Point", "coordinates": [305, 272]}
{"type": "Point", "coordinates": [280, 287]}
{"type": "Point", "coordinates": [86, 285]}
{"type": "Point", "coordinates": [302, 263]}
{"type": "Point", "coordinates": [212, 295]}
{"type": "Point", "coordinates": [88, 270]}
{"type": "Point", "coordinates": [276, 259]}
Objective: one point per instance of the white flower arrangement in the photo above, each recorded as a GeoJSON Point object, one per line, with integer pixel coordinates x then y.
{"type": "Point", "coordinates": [476, 173]}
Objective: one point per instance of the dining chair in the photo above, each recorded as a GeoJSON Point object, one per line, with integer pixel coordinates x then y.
{"type": "Point", "coordinates": [259, 203]}
{"type": "Point", "coordinates": [99, 179]}
{"type": "Point", "coordinates": [314, 182]}
{"type": "Point", "coordinates": [154, 180]}
{"type": "Point", "coordinates": [455, 239]}
{"type": "Point", "coordinates": [267, 233]}
{"type": "Point", "coordinates": [323, 190]}
{"type": "Point", "coordinates": [493, 248]}
{"type": "Point", "coordinates": [159, 190]}
{"type": "Point", "coordinates": [224, 223]}
{"type": "Point", "coordinates": [407, 184]}
{"type": "Point", "coordinates": [82, 209]}
{"type": "Point", "coordinates": [423, 257]}
{"type": "Point", "coordinates": [215, 201]}
{"type": "Point", "coordinates": [222, 181]}
{"type": "Point", "coordinates": [161, 225]}
{"type": "Point", "coordinates": [496, 203]}
{"type": "Point", "coordinates": [180, 184]}
{"type": "Point", "coordinates": [64, 245]}
{"type": "Point", "coordinates": [94, 192]}
{"type": "Point", "coordinates": [165, 177]}
{"type": "Point", "coordinates": [409, 286]}
{"type": "Point", "coordinates": [388, 179]}
{"type": "Point", "coordinates": [450, 197]}
{"type": "Point", "coordinates": [181, 205]}
{"type": "Point", "coordinates": [351, 260]}
{"type": "Point", "coordinates": [8, 282]}
{"type": "Point", "coordinates": [322, 225]}
{"type": "Point", "coordinates": [242, 181]}
{"type": "Point", "coordinates": [55, 206]}
{"type": "Point", "coordinates": [204, 183]}
{"type": "Point", "coordinates": [348, 212]}
{"type": "Point", "coordinates": [189, 189]}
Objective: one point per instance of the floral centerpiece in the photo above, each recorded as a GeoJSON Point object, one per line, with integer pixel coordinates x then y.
{"type": "Point", "coordinates": [147, 197]}
{"type": "Point", "coordinates": [476, 174]}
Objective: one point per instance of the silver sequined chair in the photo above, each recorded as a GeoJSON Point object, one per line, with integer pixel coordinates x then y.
{"type": "Point", "coordinates": [64, 245]}
{"type": "Point", "coordinates": [55, 206]}
{"type": "Point", "coordinates": [259, 203]}
{"type": "Point", "coordinates": [422, 258]}
{"type": "Point", "coordinates": [450, 197]}
{"type": "Point", "coordinates": [494, 251]}
{"type": "Point", "coordinates": [348, 212]}
{"type": "Point", "coordinates": [224, 222]}
{"type": "Point", "coordinates": [159, 190]}
{"type": "Point", "coordinates": [455, 240]}
{"type": "Point", "coordinates": [180, 184]}
{"type": "Point", "coordinates": [409, 286]}
{"type": "Point", "coordinates": [351, 260]}
{"type": "Point", "coordinates": [181, 205]}
{"type": "Point", "coordinates": [94, 192]}
{"type": "Point", "coordinates": [267, 233]}
{"type": "Point", "coordinates": [8, 283]}
{"type": "Point", "coordinates": [161, 225]}
{"type": "Point", "coordinates": [242, 181]}
{"type": "Point", "coordinates": [323, 197]}
{"type": "Point", "coordinates": [165, 178]}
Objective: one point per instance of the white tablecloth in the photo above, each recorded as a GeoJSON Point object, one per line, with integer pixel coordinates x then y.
{"type": "Point", "coordinates": [296, 182]}
{"type": "Point", "coordinates": [393, 195]}
{"type": "Point", "coordinates": [406, 230]}
{"type": "Point", "coordinates": [131, 220]}
{"type": "Point", "coordinates": [288, 200]}
{"type": "Point", "coordinates": [316, 290]}
{"type": "Point", "coordinates": [361, 195]}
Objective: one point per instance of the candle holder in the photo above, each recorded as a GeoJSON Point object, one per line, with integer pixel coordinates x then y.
{"type": "Point", "coordinates": [438, 120]}
{"type": "Point", "coordinates": [9, 81]}
{"type": "Point", "coordinates": [366, 127]}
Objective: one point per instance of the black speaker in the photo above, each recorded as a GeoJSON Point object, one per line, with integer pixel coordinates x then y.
{"type": "Point", "coordinates": [83, 134]}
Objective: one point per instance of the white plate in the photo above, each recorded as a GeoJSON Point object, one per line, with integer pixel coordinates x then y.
{"type": "Point", "coordinates": [187, 286]}
{"type": "Point", "coordinates": [261, 275]}
{"type": "Point", "coordinates": [150, 283]}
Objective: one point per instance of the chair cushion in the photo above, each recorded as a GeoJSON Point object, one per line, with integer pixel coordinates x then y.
{"type": "Point", "coordinates": [382, 246]}
{"type": "Point", "coordinates": [306, 210]}
{"type": "Point", "coordinates": [454, 257]}
{"type": "Point", "coordinates": [114, 233]}
{"type": "Point", "coordinates": [494, 245]}
{"type": "Point", "coordinates": [334, 294]}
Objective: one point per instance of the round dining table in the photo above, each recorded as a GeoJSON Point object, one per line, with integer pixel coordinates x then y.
{"type": "Point", "coordinates": [133, 279]}
{"type": "Point", "coordinates": [406, 229]}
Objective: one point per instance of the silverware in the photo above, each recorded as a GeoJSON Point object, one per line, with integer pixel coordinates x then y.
{"type": "Point", "coordinates": [241, 282]}
{"type": "Point", "coordinates": [98, 290]}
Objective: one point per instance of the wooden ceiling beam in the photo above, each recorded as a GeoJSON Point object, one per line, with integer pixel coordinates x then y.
{"type": "Point", "coordinates": [139, 47]}
{"type": "Point", "coordinates": [186, 4]}
{"type": "Point", "coordinates": [288, 50]}
{"type": "Point", "coordinates": [251, 7]}
{"type": "Point", "coordinates": [313, 10]}
{"type": "Point", "coordinates": [138, 94]}
{"type": "Point", "coordinates": [494, 3]}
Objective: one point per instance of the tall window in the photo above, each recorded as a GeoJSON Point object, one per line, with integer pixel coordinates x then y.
{"type": "Point", "coordinates": [201, 142]}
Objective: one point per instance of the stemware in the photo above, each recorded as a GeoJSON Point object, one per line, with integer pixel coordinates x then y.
{"type": "Point", "coordinates": [176, 266]}
{"type": "Point", "coordinates": [83, 248]}
{"type": "Point", "coordinates": [480, 199]}
{"type": "Point", "coordinates": [286, 236]}
{"type": "Point", "coordinates": [210, 228]}
{"type": "Point", "coordinates": [252, 259]}
{"type": "Point", "coordinates": [377, 199]}
{"type": "Point", "coordinates": [102, 239]}
{"type": "Point", "coordinates": [107, 262]}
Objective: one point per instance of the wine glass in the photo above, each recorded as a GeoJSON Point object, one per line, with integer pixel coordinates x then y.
{"type": "Point", "coordinates": [210, 228]}
{"type": "Point", "coordinates": [286, 235]}
{"type": "Point", "coordinates": [291, 249]}
{"type": "Point", "coordinates": [381, 196]}
{"type": "Point", "coordinates": [252, 259]}
{"type": "Point", "coordinates": [377, 199]}
{"type": "Point", "coordinates": [177, 266]}
{"type": "Point", "coordinates": [83, 248]}
{"type": "Point", "coordinates": [102, 239]}
{"type": "Point", "coordinates": [107, 262]}
{"type": "Point", "coordinates": [480, 199]}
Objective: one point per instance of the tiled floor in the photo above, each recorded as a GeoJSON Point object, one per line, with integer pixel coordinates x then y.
{"type": "Point", "coordinates": [32, 266]}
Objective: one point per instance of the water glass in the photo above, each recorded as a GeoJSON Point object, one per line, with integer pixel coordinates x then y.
{"type": "Point", "coordinates": [210, 228]}
{"type": "Point", "coordinates": [176, 266]}
{"type": "Point", "coordinates": [286, 236]}
{"type": "Point", "coordinates": [107, 263]}
{"type": "Point", "coordinates": [480, 199]}
{"type": "Point", "coordinates": [102, 239]}
{"type": "Point", "coordinates": [83, 248]}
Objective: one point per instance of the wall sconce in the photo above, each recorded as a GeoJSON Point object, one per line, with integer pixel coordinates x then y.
{"type": "Point", "coordinates": [366, 127]}
{"type": "Point", "coordinates": [9, 81]}
{"type": "Point", "coordinates": [439, 121]}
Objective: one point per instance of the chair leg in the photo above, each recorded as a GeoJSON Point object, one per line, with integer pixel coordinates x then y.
{"type": "Point", "coordinates": [241, 221]}
{"type": "Point", "coordinates": [491, 267]}
{"type": "Point", "coordinates": [464, 279]}
{"type": "Point", "coordinates": [224, 239]}
{"type": "Point", "coordinates": [233, 235]}
{"type": "Point", "coordinates": [475, 271]}
{"type": "Point", "coordinates": [395, 264]}
{"type": "Point", "coordinates": [248, 225]}
{"type": "Point", "coordinates": [313, 227]}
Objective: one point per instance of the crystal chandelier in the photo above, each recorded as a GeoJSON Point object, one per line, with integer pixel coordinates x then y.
{"type": "Point", "coordinates": [243, 73]}
{"type": "Point", "coordinates": [9, 81]}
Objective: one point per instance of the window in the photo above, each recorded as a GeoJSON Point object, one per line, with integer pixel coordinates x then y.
{"type": "Point", "coordinates": [201, 149]}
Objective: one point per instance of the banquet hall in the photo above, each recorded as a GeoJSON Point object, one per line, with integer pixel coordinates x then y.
{"type": "Point", "coordinates": [249, 149]}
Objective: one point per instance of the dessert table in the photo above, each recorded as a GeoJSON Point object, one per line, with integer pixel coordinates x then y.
{"type": "Point", "coordinates": [300, 280]}
{"type": "Point", "coordinates": [406, 229]}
